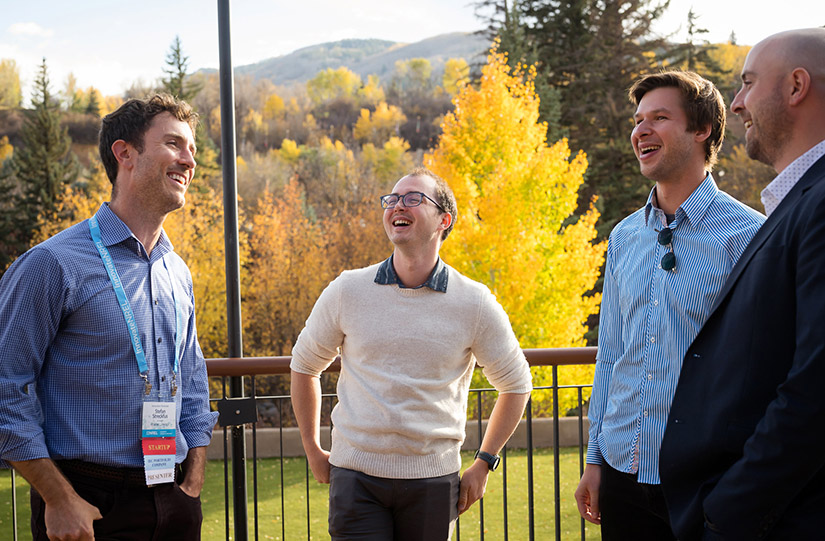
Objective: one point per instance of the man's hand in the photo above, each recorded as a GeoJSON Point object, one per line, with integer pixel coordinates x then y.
{"type": "Point", "coordinates": [194, 472]}
{"type": "Point", "coordinates": [71, 519]}
{"type": "Point", "coordinates": [319, 464]}
{"type": "Point", "coordinates": [473, 485]}
{"type": "Point", "coordinates": [68, 516]}
{"type": "Point", "coordinates": [587, 493]}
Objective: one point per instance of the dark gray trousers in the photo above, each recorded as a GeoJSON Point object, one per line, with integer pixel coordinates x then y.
{"type": "Point", "coordinates": [367, 508]}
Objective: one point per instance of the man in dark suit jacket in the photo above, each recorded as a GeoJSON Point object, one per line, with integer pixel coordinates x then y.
{"type": "Point", "coordinates": [743, 455]}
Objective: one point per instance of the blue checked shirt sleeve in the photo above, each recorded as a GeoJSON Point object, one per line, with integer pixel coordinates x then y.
{"type": "Point", "coordinates": [196, 419]}
{"type": "Point", "coordinates": [610, 347]}
{"type": "Point", "coordinates": [31, 303]}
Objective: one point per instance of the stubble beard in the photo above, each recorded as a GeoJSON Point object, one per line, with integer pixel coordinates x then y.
{"type": "Point", "coordinates": [771, 131]}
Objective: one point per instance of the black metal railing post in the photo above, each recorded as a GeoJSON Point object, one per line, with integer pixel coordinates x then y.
{"type": "Point", "coordinates": [233, 272]}
{"type": "Point", "coordinates": [530, 499]}
{"type": "Point", "coordinates": [556, 462]}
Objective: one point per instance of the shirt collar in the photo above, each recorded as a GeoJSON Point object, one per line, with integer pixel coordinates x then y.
{"type": "Point", "coordinates": [437, 280]}
{"type": "Point", "coordinates": [779, 187]}
{"type": "Point", "coordinates": [695, 205]}
{"type": "Point", "coordinates": [114, 231]}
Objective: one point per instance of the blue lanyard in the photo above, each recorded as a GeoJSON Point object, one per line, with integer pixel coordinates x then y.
{"type": "Point", "coordinates": [129, 316]}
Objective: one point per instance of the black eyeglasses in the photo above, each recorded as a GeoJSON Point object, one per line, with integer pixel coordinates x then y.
{"type": "Point", "coordinates": [410, 199]}
{"type": "Point", "coordinates": [666, 239]}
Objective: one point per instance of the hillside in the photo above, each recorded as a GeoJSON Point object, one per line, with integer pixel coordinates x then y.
{"type": "Point", "coordinates": [365, 57]}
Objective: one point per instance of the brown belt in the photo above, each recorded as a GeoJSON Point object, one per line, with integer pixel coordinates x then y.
{"type": "Point", "coordinates": [128, 477]}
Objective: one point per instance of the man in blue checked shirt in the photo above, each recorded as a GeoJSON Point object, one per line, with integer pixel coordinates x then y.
{"type": "Point", "coordinates": [665, 265]}
{"type": "Point", "coordinates": [104, 404]}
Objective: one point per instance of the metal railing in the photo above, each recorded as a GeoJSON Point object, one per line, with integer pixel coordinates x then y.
{"type": "Point", "coordinates": [554, 358]}
{"type": "Point", "coordinates": [257, 367]}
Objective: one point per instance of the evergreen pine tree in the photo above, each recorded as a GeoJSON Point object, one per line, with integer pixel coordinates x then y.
{"type": "Point", "coordinates": [93, 107]}
{"type": "Point", "coordinates": [175, 82]}
{"type": "Point", "coordinates": [589, 52]}
{"type": "Point", "coordinates": [42, 167]}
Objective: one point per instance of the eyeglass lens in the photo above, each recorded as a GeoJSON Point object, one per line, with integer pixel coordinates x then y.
{"type": "Point", "coordinates": [411, 199]}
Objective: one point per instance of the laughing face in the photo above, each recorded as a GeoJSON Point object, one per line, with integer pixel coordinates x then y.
{"type": "Point", "coordinates": [761, 105]}
{"type": "Point", "coordinates": [165, 168]}
{"type": "Point", "coordinates": [414, 226]}
{"type": "Point", "coordinates": [660, 139]}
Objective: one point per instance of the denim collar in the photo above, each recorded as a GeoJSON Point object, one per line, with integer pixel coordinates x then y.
{"type": "Point", "coordinates": [437, 280]}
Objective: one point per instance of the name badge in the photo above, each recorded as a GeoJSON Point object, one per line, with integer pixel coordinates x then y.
{"type": "Point", "coordinates": [158, 431]}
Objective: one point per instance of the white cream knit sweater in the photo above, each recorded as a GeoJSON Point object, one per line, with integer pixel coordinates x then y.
{"type": "Point", "coordinates": [407, 359]}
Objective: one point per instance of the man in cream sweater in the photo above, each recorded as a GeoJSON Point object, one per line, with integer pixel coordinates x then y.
{"type": "Point", "coordinates": [410, 331]}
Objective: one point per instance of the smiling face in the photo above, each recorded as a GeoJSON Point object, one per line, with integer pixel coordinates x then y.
{"type": "Point", "coordinates": [660, 138]}
{"type": "Point", "coordinates": [415, 227]}
{"type": "Point", "coordinates": [165, 168]}
{"type": "Point", "coordinates": [762, 106]}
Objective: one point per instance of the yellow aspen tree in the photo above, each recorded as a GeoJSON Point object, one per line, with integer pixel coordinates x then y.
{"type": "Point", "coordinates": [456, 75]}
{"type": "Point", "coordinates": [379, 126]}
{"type": "Point", "coordinates": [516, 230]}
{"type": "Point", "coordinates": [286, 272]}
{"type": "Point", "coordinates": [6, 149]}
{"type": "Point", "coordinates": [355, 236]}
{"type": "Point", "coordinates": [372, 93]}
{"type": "Point", "coordinates": [196, 231]}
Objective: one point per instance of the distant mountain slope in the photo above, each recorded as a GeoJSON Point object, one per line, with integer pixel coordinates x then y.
{"type": "Point", "coordinates": [365, 57]}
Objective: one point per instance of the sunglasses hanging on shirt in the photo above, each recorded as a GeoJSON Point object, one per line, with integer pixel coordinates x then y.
{"type": "Point", "coordinates": [669, 259]}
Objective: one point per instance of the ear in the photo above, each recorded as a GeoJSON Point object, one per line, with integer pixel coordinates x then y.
{"type": "Point", "coordinates": [446, 220]}
{"type": "Point", "coordinates": [801, 84]}
{"type": "Point", "coordinates": [701, 135]}
{"type": "Point", "coordinates": [124, 153]}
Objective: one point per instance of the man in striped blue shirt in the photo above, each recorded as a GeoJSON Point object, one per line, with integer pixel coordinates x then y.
{"type": "Point", "coordinates": [665, 265]}
{"type": "Point", "coordinates": [93, 322]}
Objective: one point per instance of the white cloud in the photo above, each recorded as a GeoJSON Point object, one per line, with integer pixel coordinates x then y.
{"type": "Point", "coordinates": [30, 29]}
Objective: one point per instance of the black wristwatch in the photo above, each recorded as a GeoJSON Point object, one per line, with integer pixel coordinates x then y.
{"type": "Point", "coordinates": [491, 460]}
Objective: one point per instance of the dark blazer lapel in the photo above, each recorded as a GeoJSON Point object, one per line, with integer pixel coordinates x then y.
{"type": "Point", "coordinates": [811, 176]}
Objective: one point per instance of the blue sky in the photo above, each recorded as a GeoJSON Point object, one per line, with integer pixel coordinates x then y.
{"type": "Point", "coordinates": [109, 44]}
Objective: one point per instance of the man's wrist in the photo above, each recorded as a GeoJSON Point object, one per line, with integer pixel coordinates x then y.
{"type": "Point", "coordinates": [491, 460]}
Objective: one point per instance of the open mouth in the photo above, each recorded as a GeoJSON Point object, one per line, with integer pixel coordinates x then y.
{"type": "Point", "coordinates": [647, 150]}
{"type": "Point", "coordinates": [177, 177]}
{"type": "Point", "coordinates": [401, 222]}
{"type": "Point", "coordinates": [748, 124]}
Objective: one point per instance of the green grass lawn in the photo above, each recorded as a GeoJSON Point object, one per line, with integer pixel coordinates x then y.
{"type": "Point", "coordinates": [271, 518]}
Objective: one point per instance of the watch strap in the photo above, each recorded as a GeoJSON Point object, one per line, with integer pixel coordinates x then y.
{"type": "Point", "coordinates": [491, 460]}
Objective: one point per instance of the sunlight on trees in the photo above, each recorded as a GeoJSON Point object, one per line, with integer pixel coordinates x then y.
{"type": "Point", "coordinates": [516, 195]}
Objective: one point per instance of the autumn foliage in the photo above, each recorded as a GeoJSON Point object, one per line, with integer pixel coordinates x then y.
{"type": "Point", "coordinates": [516, 195]}
{"type": "Point", "coordinates": [309, 209]}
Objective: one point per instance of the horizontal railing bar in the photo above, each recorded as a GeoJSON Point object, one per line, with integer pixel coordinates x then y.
{"type": "Point", "coordinates": [255, 366]}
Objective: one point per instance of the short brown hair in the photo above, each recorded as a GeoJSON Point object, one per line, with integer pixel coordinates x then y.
{"type": "Point", "coordinates": [131, 121]}
{"type": "Point", "coordinates": [443, 195]}
{"type": "Point", "coordinates": [702, 101]}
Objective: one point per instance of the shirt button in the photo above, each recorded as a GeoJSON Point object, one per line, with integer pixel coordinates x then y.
{"type": "Point", "coordinates": [156, 302]}
{"type": "Point", "coordinates": [645, 413]}
{"type": "Point", "coordinates": [655, 303]}
{"type": "Point", "coordinates": [652, 339]}
{"type": "Point", "coordinates": [649, 377]}
{"type": "Point", "coordinates": [160, 340]}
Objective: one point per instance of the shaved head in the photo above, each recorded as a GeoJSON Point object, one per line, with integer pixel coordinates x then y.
{"type": "Point", "coordinates": [782, 99]}
{"type": "Point", "coordinates": [804, 48]}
